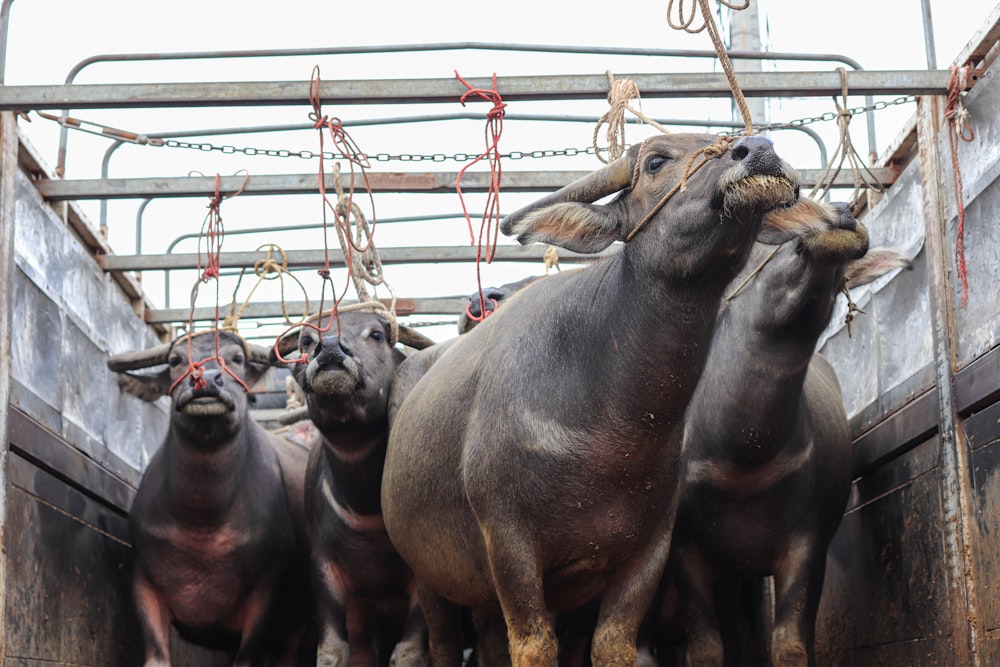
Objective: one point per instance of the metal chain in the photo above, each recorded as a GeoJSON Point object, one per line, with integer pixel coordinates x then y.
{"type": "Point", "coordinates": [832, 115]}
{"type": "Point", "coordinates": [457, 157]}
{"type": "Point", "coordinates": [380, 157]}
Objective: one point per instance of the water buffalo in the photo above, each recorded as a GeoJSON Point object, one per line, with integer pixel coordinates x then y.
{"type": "Point", "coordinates": [489, 298]}
{"type": "Point", "coordinates": [535, 465]}
{"type": "Point", "coordinates": [364, 589]}
{"type": "Point", "coordinates": [767, 444]}
{"type": "Point", "coordinates": [217, 524]}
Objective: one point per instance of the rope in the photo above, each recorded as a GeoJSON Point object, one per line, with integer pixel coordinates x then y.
{"type": "Point", "coordinates": [957, 116]}
{"type": "Point", "coordinates": [489, 228]}
{"type": "Point", "coordinates": [622, 92]}
{"type": "Point", "coordinates": [753, 274]}
{"type": "Point", "coordinates": [265, 269]}
{"type": "Point", "coordinates": [863, 177]}
{"type": "Point", "coordinates": [685, 22]}
{"type": "Point", "coordinates": [551, 259]}
{"type": "Point", "coordinates": [212, 233]}
{"type": "Point", "coordinates": [357, 241]}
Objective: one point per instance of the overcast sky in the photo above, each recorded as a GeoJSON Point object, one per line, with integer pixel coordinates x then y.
{"type": "Point", "coordinates": [48, 38]}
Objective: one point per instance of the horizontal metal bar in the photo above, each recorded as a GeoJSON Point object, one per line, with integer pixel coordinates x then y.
{"type": "Point", "coordinates": [316, 258]}
{"type": "Point", "coordinates": [427, 182]}
{"type": "Point", "coordinates": [512, 89]}
{"type": "Point", "coordinates": [273, 309]}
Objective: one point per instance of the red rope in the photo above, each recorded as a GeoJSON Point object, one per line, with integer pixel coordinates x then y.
{"type": "Point", "coordinates": [958, 128]}
{"type": "Point", "coordinates": [489, 227]}
{"type": "Point", "coordinates": [212, 233]}
{"type": "Point", "coordinates": [356, 158]}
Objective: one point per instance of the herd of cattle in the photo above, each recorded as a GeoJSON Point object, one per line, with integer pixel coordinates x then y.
{"type": "Point", "coordinates": [606, 469]}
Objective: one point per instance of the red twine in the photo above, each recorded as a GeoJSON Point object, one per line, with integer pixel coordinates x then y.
{"type": "Point", "coordinates": [959, 128]}
{"type": "Point", "coordinates": [490, 225]}
{"type": "Point", "coordinates": [212, 233]}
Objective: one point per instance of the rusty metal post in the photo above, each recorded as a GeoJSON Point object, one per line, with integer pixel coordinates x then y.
{"type": "Point", "coordinates": [8, 197]}
{"type": "Point", "coordinates": [954, 461]}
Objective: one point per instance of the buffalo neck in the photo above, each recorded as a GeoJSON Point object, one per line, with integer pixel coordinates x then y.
{"type": "Point", "coordinates": [747, 398]}
{"type": "Point", "coordinates": [205, 482]}
{"type": "Point", "coordinates": [357, 470]}
{"type": "Point", "coordinates": [644, 342]}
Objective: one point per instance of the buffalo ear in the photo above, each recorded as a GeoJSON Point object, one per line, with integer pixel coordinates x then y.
{"type": "Point", "coordinates": [583, 228]}
{"type": "Point", "coordinates": [145, 386]}
{"type": "Point", "coordinates": [874, 264]}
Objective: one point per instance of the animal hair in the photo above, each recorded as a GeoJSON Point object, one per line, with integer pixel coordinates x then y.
{"type": "Point", "coordinates": [806, 216]}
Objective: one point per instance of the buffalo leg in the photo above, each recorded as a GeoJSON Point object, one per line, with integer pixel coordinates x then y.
{"type": "Point", "coordinates": [333, 650]}
{"type": "Point", "coordinates": [796, 602]}
{"type": "Point", "coordinates": [411, 649]}
{"type": "Point", "coordinates": [626, 602]}
{"type": "Point", "coordinates": [696, 586]}
{"type": "Point", "coordinates": [155, 621]}
{"type": "Point", "coordinates": [518, 581]}
{"type": "Point", "coordinates": [444, 627]}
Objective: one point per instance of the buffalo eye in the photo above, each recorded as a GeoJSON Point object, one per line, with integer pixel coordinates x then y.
{"type": "Point", "coordinates": [238, 359]}
{"type": "Point", "coordinates": [174, 360]}
{"type": "Point", "coordinates": [655, 162]}
{"type": "Point", "coordinates": [377, 336]}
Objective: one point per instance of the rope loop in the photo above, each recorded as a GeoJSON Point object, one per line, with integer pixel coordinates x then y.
{"type": "Point", "coordinates": [959, 127]}
{"type": "Point", "coordinates": [622, 91]}
{"type": "Point", "coordinates": [489, 227]}
{"type": "Point", "coordinates": [864, 179]}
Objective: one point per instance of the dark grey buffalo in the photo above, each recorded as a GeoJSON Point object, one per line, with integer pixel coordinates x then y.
{"type": "Point", "coordinates": [535, 465]}
{"type": "Point", "coordinates": [366, 602]}
{"type": "Point", "coordinates": [218, 522]}
{"type": "Point", "coordinates": [767, 443]}
{"type": "Point", "coordinates": [487, 300]}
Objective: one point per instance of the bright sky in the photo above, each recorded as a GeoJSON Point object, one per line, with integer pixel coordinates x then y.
{"type": "Point", "coordinates": [48, 38]}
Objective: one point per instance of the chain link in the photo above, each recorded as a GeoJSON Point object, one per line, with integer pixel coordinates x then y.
{"type": "Point", "coordinates": [512, 155]}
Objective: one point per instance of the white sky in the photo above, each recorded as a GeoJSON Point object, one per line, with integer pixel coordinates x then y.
{"type": "Point", "coordinates": [48, 38]}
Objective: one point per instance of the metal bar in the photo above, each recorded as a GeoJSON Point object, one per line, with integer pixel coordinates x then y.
{"type": "Point", "coordinates": [513, 89]}
{"type": "Point", "coordinates": [4, 29]}
{"type": "Point", "coordinates": [316, 258]}
{"type": "Point", "coordinates": [956, 485]}
{"type": "Point", "coordinates": [492, 46]}
{"type": "Point", "coordinates": [427, 306]}
{"type": "Point", "coordinates": [399, 182]}
{"type": "Point", "coordinates": [8, 199]}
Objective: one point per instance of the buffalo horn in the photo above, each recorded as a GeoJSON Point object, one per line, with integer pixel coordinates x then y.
{"type": "Point", "coordinates": [413, 338]}
{"type": "Point", "coordinates": [615, 176]}
{"type": "Point", "coordinates": [130, 361]}
{"type": "Point", "coordinates": [260, 355]}
{"type": "Point", "coordinates": [288, 343]}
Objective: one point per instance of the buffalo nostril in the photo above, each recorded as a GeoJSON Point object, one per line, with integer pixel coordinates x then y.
{"type": "Point", "coordinates": [219, 380]}
{"type": "Point", "coordinates": [740, 152]}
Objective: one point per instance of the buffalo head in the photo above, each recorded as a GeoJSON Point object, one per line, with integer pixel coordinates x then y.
{"type": "Point", "coordinates": [207, 377]}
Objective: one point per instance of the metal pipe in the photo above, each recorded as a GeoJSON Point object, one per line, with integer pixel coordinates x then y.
{"type": "Point", "coordinates": [925, 9]}
{"type": "Point", "coordinates": [4, 28]}
{"type": "Point", "coordinates": [379, 182]}
{"type": "Point", "coordinates": [569, 87]}
{"type": "Point", "coordinates": [954, 464]}
{"type": "Point", "coordinates": [115, 145]}
{"type": "Point", "coordinates": [395, 48]}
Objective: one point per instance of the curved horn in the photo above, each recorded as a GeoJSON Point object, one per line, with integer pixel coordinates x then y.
{"type": "Point", "coordinates": [288, 343]}
{"type": "Point", "coordinates": [130, 361]}
{"type": "Point", "coordinates": [615, 176]}
{"type": "Point", "coordinates": [413, 338]}
{"type": "Point", "coordinates": [261, 355]}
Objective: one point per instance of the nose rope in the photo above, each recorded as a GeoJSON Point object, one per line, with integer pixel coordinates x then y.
{"type": "Point", "coordinates": [753, 274]}
{"type": "Point", "coordinates": [196, 369]}
{"type": "Point", "coordinates": [707, 153]}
